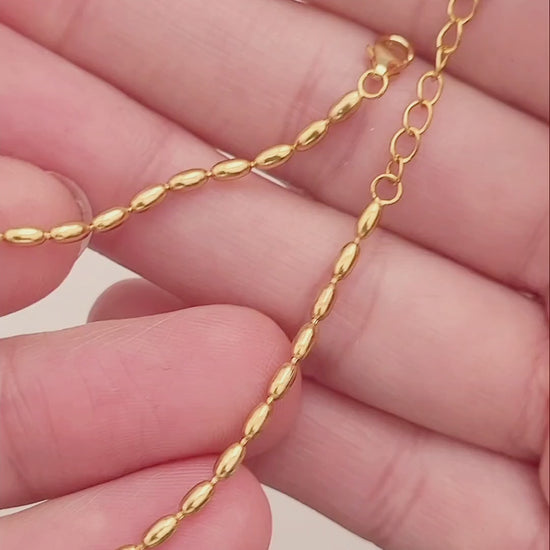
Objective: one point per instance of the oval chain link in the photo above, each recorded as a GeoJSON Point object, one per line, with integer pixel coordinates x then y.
{"type": "Point", "coordinates": [230, 460]}
{"type": "Point", "coordinates": [448, 41]}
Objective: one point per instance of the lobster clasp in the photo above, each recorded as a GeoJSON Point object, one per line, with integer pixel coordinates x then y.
{"type": "Point", "coordinates": [390, 55]}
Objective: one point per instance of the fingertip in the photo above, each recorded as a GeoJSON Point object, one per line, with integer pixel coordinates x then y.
{"type": "Point", "coordinates": [34, 198]}
{"type": "Point", "coordinates": [133, 298]}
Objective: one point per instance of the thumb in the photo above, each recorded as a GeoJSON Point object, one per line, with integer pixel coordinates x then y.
{"type": "Point", "coordinates": [32, 198]}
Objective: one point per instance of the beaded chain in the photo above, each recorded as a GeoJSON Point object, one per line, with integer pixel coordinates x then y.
{"type": "Point", "coordinates": [388, 56]}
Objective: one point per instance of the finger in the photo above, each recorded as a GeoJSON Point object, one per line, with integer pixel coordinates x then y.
{"type": "Point", "coordinates": [496, 228]}
{"type": "Point", "coordinates": [544, 466]}
{"type": "Point", "coordinates": [92, 403]}
{"type": "Point", "coordinates": [400, 486]}
{"type": "Point", "coordinates": [272, 244]}
{"type": "Point", "coordinates": [118, 512]}
{"type": "Point", "coordinates": [133, 298]}
{"type": "Point", "coordinates": [33, 198]}
{"type": "Point", "coordinates": [524, 86]}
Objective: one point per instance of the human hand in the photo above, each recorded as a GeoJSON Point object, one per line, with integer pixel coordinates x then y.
{"type": "Point", "coordinates": [423, 413]}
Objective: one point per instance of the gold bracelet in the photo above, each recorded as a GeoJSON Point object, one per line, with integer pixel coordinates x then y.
{"type": "Point", "coordinates": [389, 56]}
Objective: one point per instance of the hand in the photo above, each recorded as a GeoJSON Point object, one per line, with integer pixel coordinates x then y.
{"type": "Point", "coordinates": [424, 409]}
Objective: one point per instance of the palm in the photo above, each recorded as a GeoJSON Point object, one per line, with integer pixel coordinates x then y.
{"type": "Point", "coordinates": [423, 413]}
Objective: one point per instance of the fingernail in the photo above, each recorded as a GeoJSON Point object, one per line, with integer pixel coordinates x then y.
{"type": "Point", "coordinates": [81, 201]}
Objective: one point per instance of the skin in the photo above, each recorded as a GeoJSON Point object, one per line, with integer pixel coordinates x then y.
{"type": "Point", "coordinates": [422, 419]}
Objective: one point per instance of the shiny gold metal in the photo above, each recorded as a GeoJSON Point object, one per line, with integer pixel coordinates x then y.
{"type": "Point", "coordinates": [303, 343]}
{"type": "Point", "coordinates": [229, 460]}
{"type": "Point", "coordinates": [388, 56]}
{"type": "Point", "coordinates": [282, 381]}
{"type": "Point", "coordinates": [345, 107]}
{"type": "Point", "coordinates": [420, 90]}
{"type": "Point", "coordinates": [231, 169]}
{"type": "Point", "coordinates": [414, 133]}
{"type": "Point", "coordinates": [70, 232]}
{"type": "Point", "coordinates": [147, 198]}
{"type": "Point", "coordinates": [347, 259]}
{"type": "Point", "coordinates": [311, 135]}
{"type": "Point", "coordinates": [324, 302]}
{"type": "Point", "coordinates": [370, 78]}
{"type": "Point", "coordinates": [369, 219]}
{"type": "Point", "coordinates": [256, 420]}
{"type": "Point", "coordinates": [189, 179]}
{"type": "Point", "coordinates": [197, 498]}
{"type": "Point", "coordinates": [25, 236]}
{"type": "Point", "coordinates": [426, 107]}
{"type": "Point", "coordinates": [109, 219]}
{"type": "Point", "coordinates": [274, 156]}
{"type": "Point", "coordinates": [160, 531]}
{"type": "Point", "coordinates": [398, 186]}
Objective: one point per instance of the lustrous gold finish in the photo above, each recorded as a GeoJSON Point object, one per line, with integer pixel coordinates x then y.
{"type": "Point", "coordinates": [324, 302]}
{"type": "Point", "coordinates": [311, 135]}
{"type": "Point", "coordinates": [231, 169]}
{"type": "Point", "coordinates": [282, 381]}
{"type": "Point", "coordinates": [304, 341]}
{"type": "Point", "coordinates": [369, 219]}
{"type": "Point", "coordinates": [70, 232]}
{"type": "Point", "coordinates": [189, 179]}
{"type": "Point", "coordinates": [110, 219]}
{"type": "Point", "coordinates": [346, 261]}
{"type": "Point", "coordinates": [344, 108]}
{"type": "Point", "coordinates": [274, 156]}
{"type": "Point", "coordinates": [160, 531]}
{"type": "Point", "coordinates": [26, 236]}
{"type": "Point", "coordinates": [256, 420]}
{"type": "Point", "coordinates": [389, 56]}
{"type": "Point", "coordinates": [229, 460]}
{"type": "Point", "coordinates": [147, 198]}
{"type": "Point", "coordinates": [197, 498]}
{"type": "Point", "coordinates": [370, 78]}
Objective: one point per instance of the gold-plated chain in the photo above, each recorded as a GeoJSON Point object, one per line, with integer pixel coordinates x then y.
{"type": "Point", "coordinates": [389, 56]}
{"type": "Point", "coordinates": [229, 461]}
{"type": "Point", "coordinates": [393, 53]}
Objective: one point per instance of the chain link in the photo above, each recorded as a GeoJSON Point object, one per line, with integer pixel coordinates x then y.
{"type": "Point", "coordinates": [232, 457]}
{"type": "Point", "coordinates": [448, 41]}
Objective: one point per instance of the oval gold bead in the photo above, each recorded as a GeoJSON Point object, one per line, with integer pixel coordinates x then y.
{"type": "Point", "coordinates": [348, 256]}
{"type": "Point", "coordinates": [25, 236]}
{"type": "Point", "coordinates": [160, 531]}
{"type": "Point", "coordinates": [147, 198]}
{"type": "Point", "coordinates": [229, 461]}
{"type": "Point", "coordinates": [188, 179]}
{"type": "Point", "coordinates": [304, 341]}
{"type": "Point", "coordinates": [197, 498]}
{"type": "Point", "coordinates": [312, 134]}
{"type": "Point", "coordinates": [70, 232]}
{"type": "Point", "coordinates": [324, 301]}
{"type": "Point", "coordinates": [274, 156]}
{"type": "Point", "coordinates": [282, 381]}
{"type": "Point", "coordinates": [110, 218]}
{"type": "Point", "coordinates": [344, 108]}
{"type": "Point", "coordinates": [256, 420]}
{"type": "Point", "coordinates": [231, 169]}
{"type": "Point", "coordinates": [131, 547]}
{"type": "Point", "coordinates": [369, 219]}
